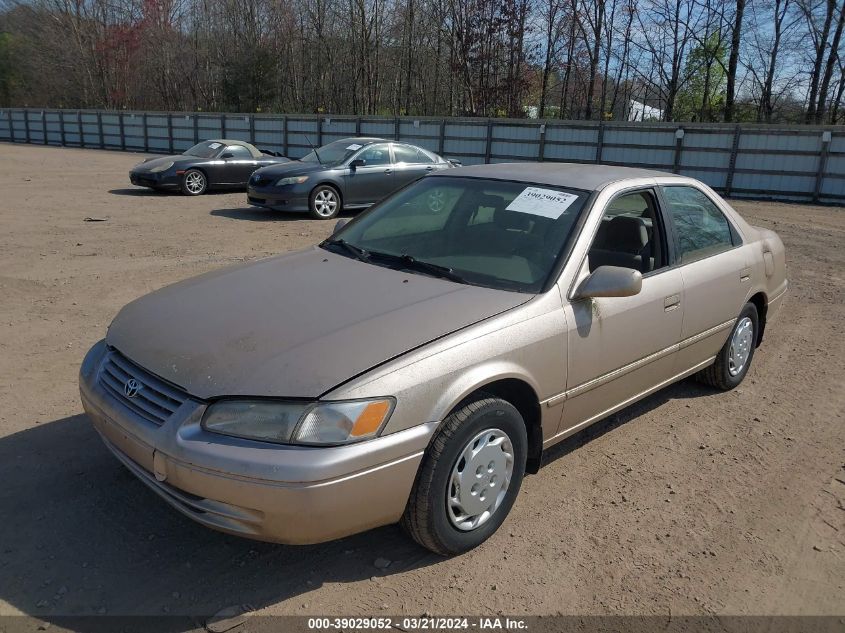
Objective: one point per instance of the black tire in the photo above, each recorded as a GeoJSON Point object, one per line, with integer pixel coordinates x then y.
{"type": "Point", "coordinates": [319, 202]}
{"type": "Point", "coordinates": [426, 517]}
{"type": "Point", "coordinates": [721, 374]}
{"type": "Point", "coordinates": [194, 183]}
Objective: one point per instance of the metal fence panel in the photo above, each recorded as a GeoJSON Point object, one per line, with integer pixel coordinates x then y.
{"type": "Point", "coordinates": [802, 163]}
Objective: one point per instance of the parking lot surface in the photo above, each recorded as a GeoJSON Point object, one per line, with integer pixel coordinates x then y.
{"type": "Point", "coordinates": [690, 502]}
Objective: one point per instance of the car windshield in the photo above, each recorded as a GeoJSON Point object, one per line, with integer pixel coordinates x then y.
{"type": "Point", "coordinates": [333, 153]}
{"type": "Point", "coordinates": [206, 149]}
{"type": "Point", "coordinates": [498, 234]}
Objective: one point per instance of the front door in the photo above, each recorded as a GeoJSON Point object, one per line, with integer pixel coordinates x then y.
{"type": "Point", "coordinates": [620, 347]}
{"type": "Point", "coordinates": [372, 181]}
{"type": "Point", "coordinates": [239, 165]}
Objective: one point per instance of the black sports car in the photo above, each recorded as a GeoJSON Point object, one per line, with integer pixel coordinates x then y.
{"type": "Point", "coordinates": [210, 164]}
{"type": "Point", "coordinates": [351, 173]}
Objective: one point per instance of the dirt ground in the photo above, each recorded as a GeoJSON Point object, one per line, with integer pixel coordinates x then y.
{"type": "Point", "coordinates": [691, 502]}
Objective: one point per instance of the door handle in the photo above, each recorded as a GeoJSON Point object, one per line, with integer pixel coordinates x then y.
{"type": "Point", "coordinates": [388, 171]}
{"type": "Point", "coordinates": [671, 302]}
{"type": "Point", "coordinates": [429, 168]}
{"type": "Point", "coordinates": [745, 274]}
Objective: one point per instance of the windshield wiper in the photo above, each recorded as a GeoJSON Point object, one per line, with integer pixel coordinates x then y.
{"type": "Point", "coordinates": [356, 251]}
{"type": "Point", "coordinates": [411, 262]}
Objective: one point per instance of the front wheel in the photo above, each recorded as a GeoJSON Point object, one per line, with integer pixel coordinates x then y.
{"type": "Point", "coordinates": [324, 203]}
{"type": "Point", "coordinates": [469, 477]}
{"type": "Point", "coordinates": [194, 183]}
{"type": "Point", "coordinates": [734, 359]}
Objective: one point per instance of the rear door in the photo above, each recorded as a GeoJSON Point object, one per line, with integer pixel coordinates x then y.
{"type": "Point", "coordinates": [410, 164]}
{"type": "Point", "coordinates": [714, 266]}
{"type": "Point", "coordinates": [372, 181]}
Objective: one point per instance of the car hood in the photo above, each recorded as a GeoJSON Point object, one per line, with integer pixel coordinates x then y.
{"type": "Point", "coordinates": [148, 164]}
{"type": "Point", "coordinates": [292, 168]}
{"type": "Point", "coordinates": [294, 325]}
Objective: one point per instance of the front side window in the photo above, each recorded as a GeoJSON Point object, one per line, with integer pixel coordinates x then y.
{"type": "Point", "coordinates": [703, 230]}
{"type": "Point", "coordinates": [630, 235]}
{"type": "Point", "coordinates": [498, 234]}
{"type": "Point", "coordinates": [375, 155]}
{"type": "Point", "coordinates": [238, 152]}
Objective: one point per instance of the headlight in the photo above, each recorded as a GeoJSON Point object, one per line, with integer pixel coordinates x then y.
{"type": "Point", "coordinates": [320, 423]}
{"type": "Point", "coordinates": [162, 167]}
{"type": "Point", "coordinates": [291, 180]}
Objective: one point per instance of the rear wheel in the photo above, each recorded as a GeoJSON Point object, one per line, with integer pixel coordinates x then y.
{"type": "Point", "coordinates": [469, 477]}
{"type": "Point", "coordinates": [734, 359]}
{"type": "Point", "coordinates": [194, 183]}
{"type": "Point", "coordinates": [324, 203]}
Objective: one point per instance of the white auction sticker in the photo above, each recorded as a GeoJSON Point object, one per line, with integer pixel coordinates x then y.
{"type": "Point", "coordinates": [548, 203]}
{"type": "Point", "coordinates": [214, 145]}
{"type": "Point", "coordinates": [354, 147]}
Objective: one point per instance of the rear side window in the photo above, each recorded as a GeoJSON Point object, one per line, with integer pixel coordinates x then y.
{"type": "Point", "coordinates": [408, 154]}
{"type": "Point", "coordinates": [703, 230]}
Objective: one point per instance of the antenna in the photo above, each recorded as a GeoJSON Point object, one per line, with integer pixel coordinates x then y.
{"type": "Point", "coordinates": [316, 153]}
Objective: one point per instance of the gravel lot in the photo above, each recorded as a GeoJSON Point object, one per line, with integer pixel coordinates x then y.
{"type": "Point", "coordinates": [690, 502]}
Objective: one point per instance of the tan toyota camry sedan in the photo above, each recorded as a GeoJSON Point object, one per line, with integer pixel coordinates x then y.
{"type": "Point", "coordinates": [414, 366]}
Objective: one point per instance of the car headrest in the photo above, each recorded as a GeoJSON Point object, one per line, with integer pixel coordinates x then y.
{"type": "Point", "coordinates": [514, 221]}
{"type": "Point", "coordinates": [626, 234]}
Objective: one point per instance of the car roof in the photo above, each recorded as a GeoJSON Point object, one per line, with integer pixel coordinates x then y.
{"type": "Point", "coordinates": [589, 177]}
{"type": "Point", "coordinates": [230, 141]}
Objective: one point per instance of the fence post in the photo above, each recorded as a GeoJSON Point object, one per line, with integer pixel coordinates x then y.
{"type": "Point", "coordinates": [600, 142]}
{"type": "Point", "coordinates": [319, 130]}
{"type": "Point", "coordinates": [121, 130]}
{"type": "Point", "coordinates": [26, 124]}
{"type": "Point", "coordinates": [357, 126]}
{"type": "Point", "coordinates": [62, 135]}
{"type": "Point", "coordinates": [729, 181]}
{"type": "Point", "coordinates": [285, 135]}
{"type": "Point", "coordinates": [11, 127]}
{"type": "Point", "coordinates": [223, 125]}
{"type": "Point", "coordinates": [489, 148]}
{"type": "Point", "coordinates": [79, 127]}
{"type": "Point", "coordinates": [196, 118]}
{"type": "Point", "coordinates": [44, 126]}
{"type": "Point", "coordinates": [541, 150]}
{"type": "Point", "coordinates": [170, 132]}
{"type": "Point", "coordinates": [100, 130]}
{"type": "Point", "coordinates": [144, 130]}
{"type": "Point", "coordinates": [396, 129]}
{"type": "Point", "coordinates": [252, 129]}
{"type": "Point", "coordinates": [679, 144]}
{"type": "Point", "coordinates": [826, 138]}
{"type": "Point", "coordinates": [442, 142]}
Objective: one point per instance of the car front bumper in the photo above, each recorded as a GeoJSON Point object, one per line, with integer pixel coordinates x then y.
{"type": "Point", "coordinates": [289, 198]}
{"type": "Point", "coordinates": [280, 493]}
{"type": "Point", "coordinates": [154, 180]}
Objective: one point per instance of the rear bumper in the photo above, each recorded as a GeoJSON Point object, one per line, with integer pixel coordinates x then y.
{"type": "Point", "coordinates": [290, 198]}
{"type": "Point", "coordinates": [284, 494]}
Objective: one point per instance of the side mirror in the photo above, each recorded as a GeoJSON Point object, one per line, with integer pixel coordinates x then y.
{"type": "Point", "coordinates": [610, 281]}
{"type": "Point", "coordinates": [226, 155]}
{"type": "Point", "coordinates": [358, 162]}
{"type": "Point", "coordinates": [339, 225]}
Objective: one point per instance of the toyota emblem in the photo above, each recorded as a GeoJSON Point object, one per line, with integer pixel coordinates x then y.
{"type": "Point", "coordinates": [132, 388]}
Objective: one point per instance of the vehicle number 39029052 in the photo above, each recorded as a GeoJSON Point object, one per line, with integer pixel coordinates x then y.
{"type": "Point", "coordinates": [406, 624]}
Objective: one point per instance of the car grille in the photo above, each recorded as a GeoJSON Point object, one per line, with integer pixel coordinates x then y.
{"type": "Point", "coordinates": [155, 400]}
{"type": "Point", "coordinates": [259, 181]}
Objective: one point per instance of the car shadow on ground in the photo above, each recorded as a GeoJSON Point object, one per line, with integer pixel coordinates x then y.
{"type": "Point", "coordinates": [82, 536]}
{"type": "Point", "coordinates": [688, 388]}
{"type": "Point", "coordinates": [256, 214]}
{"type": "Point", "coordinates": [143, 191]}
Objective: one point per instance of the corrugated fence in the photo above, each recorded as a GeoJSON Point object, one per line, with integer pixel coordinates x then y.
{"type": "Point", "coordinates": [798, 163]}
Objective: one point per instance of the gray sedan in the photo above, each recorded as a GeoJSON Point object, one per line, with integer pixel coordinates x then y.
{"type": "Point", "coordinates": [352, 173]}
